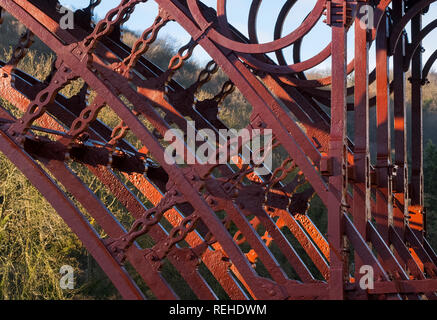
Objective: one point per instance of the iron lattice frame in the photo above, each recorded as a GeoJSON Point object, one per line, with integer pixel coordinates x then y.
{"type": "Point", "coordinates": [374, 208]}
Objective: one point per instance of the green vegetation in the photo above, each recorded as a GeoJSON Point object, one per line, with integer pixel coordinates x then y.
{"type": "Point", "coordinates": [430, 173]}
{"type": "Point", "coordinates": [34, 240]}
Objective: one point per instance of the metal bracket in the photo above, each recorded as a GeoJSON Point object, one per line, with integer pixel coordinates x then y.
{"type": "Point", "coordinates": [338, 13]}
{"type": "Point", "coordinates": [326, 166]}
{"type": "Point", "coordinates": [202, 33]}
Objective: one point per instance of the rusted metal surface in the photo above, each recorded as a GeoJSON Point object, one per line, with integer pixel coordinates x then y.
{"type": "Point", "coordinates": [254, 234]}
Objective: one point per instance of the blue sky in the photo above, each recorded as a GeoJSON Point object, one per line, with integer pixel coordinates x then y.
{"type": "Point", "coordinates": [238, 11]}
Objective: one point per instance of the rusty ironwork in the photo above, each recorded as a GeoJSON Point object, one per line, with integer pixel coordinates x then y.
{"type": "Point", "coordinates": [253, 234]}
